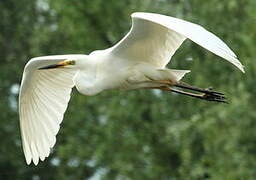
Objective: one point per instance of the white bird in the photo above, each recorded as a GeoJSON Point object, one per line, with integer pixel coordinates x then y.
{"type": "Point", "coordinates": [137, 61]}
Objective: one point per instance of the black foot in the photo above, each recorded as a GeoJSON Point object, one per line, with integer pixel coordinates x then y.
{"type": "Point", "coordinates": [210, 91]}
{"type": "Point", "coordinates": [207, 94]}
{"type": "Point", "coordinates": [214, 96]}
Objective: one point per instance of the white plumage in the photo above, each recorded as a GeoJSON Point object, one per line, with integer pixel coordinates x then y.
{"type": "Point", "coordinates": [137, 61]}
{"type": "Point", "coordinates": [155, 38]}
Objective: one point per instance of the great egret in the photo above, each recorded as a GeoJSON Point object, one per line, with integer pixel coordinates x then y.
{"type": "Point", "coordinates": [137, 61]}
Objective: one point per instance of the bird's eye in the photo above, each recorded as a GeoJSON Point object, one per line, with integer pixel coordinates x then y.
{"type": "Point", "coordinates": [70, 62]}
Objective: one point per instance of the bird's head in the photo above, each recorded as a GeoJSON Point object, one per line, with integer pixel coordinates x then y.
{"type": "Point", "coordinates": [61, 64]}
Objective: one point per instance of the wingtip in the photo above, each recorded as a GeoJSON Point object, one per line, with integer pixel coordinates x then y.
{"type": "Point", "coordinates": [239, 66]}
{"type": "Point", "coordinates": [28, 161]}
{"type": "Point", "coordinates": [242, 69]}
{"type": "Point", "coordinates": [35, 160]}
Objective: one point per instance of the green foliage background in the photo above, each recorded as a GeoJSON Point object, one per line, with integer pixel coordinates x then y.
{"type": "Point", "coordinates": [139, 134]}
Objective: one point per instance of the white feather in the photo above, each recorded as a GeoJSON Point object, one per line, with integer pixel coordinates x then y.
{"type": "Point", "coordinates": [154, 38]}
{"type": "Point", "coordinates": [43, 99]}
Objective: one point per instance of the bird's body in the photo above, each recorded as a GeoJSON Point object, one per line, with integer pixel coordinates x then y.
{"type": "Point", "coordinates": [110, 72]}
{"type": "Point", "coordinates": [137, 61]}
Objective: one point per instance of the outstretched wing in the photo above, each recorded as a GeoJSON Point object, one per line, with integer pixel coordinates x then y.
{"type": "Point", "coordinates": [154, 38]}
{"type": "Point", "coordinates": [43, 99]}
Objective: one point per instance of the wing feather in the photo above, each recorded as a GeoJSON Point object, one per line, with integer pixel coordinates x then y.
{"type": "Point", "coordinates": [154, 38]}
{"type": "Point", "coordinates": [44, 96]}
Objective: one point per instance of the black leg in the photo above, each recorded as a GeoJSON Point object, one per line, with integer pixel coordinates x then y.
{"type": "Point", "coordinates": [205, 96]}
{"type": "Point", "coordinates": [193, 88]}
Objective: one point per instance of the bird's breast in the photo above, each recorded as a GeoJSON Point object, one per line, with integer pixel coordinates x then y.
{"type": "Point", "coordinates": [85, 83]}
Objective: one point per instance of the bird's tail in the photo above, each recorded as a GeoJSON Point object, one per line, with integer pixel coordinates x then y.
{"type": "Point", "coordinates": [179, 74]}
